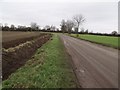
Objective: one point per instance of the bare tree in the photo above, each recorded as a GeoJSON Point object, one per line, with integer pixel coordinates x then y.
{"type": "Point", "coordinates": [78, 19]}
{"type": "Point", "coordinates": [34, 26]}
{"type": "Point", "coordinates": [63, 26]}
{"type": "Point", "coordinates": [53, 28]}
{"type": "Point", "coordinates": [69, 25]}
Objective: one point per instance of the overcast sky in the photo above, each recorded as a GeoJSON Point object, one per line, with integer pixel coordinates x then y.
{"type": "Point", "coordinates": [101, 15]}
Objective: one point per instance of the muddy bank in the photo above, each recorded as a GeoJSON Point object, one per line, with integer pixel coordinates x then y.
{"type": "Point", "coordinates": [14, 58]}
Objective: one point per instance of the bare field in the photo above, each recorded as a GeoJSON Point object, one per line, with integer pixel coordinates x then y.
{"type": "Point", "coordinates": [9, 36]}
{"type": "Point", "coordinates": [18, 47]}
{"type": "Point", "coordinates": [12, 39]}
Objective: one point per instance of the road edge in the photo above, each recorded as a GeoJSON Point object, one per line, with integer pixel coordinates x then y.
{"type": "Point", "coordinates": [71, 63]}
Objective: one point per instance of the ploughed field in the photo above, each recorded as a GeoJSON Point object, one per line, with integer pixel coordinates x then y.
{"type": "Point", "coordinates": [18, 47]}
{"type": "Point", "coordinates": [11, 39]}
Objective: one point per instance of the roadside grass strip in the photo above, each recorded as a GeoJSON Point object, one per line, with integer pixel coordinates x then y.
{"type": "Point", "coordinates": [104, 40]}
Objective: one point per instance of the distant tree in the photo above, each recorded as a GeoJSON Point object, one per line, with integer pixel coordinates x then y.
{"type": "Point", "coordinates": [82, 30]}
{"type": "Point", "coordinates": [114, 33]}
{"type": "Point", "coordinates": [37, 28]}
{"type": "Point", "coordinates": [6, 27]}
{"type": "Point", "coordinates": [78, 19]}
{"type": "Point", "coordinates": [19, 27]}
{"type": "Point", "coordinates": [69, 25]}
{"type": "Point", "coordinates": [57, 29]}
{"type": "Point", "coordinates": [47, 27]}
{"type": "Point", "coordinates": [63, 26]}
{"type": "Point", "coordinates": [12, 27]}
{"type": "Point", "coordinates": [76, 29]}
{"type": "Point", "coordinates": [34, 26]}
{"type": "Point", "coordinates": [23, 28]}
{"type": "Point", "coordinates": [53, 28]}
{"type": "Point", "coordinates": [86, 31]}
{"type": "Point", "coordinates": [1, 26]}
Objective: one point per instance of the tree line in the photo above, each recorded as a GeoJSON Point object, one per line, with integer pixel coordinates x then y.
{"type": "Point", "coordinates": [73, 26]}
{"type": "Point", "coordinates": [33, 27]}
{"type": "Point", "coordinates": [67, 26]}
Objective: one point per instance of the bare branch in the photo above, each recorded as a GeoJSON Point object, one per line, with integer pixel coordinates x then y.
{"type": "Point", "coordinates": [79, 19]}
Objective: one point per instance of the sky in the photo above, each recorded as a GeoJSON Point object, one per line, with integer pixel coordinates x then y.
{"type": "Point", "coordinates": [101, 15]}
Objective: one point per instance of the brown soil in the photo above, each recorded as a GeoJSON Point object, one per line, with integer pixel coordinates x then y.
{"type": "Point", "coordinates": [11, 61]}
{"type": "Point", "coordinates": [15, 42]}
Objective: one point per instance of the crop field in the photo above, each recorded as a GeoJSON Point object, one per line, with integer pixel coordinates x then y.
{"type": "Point", "coordinates": [104, 40]}
{"type": "Point", "coordinates": [19, 48]}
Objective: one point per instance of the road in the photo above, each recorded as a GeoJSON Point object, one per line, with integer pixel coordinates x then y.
{"type": "Point", "coordinates": [95, 66]}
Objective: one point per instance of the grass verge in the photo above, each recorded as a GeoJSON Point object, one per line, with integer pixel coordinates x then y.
{"type": "Point", "coordinates": [48, 68]}
{"type": "Point", "coordinates": [104, 40]}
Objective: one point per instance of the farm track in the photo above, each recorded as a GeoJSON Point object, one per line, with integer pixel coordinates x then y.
{"type": "Point", "coordinates": [96, 66]}
{"type": "Point", "coordinates": [15, 57]}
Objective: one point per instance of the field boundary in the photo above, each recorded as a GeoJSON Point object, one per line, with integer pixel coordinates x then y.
{"type": "Point", "coordinates": [107, 45]}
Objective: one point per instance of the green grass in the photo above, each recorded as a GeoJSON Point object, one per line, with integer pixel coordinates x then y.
{"type": "Point", "coordinates": [48, 68]}
{"type": "Point", "coordinates": [105, 40]}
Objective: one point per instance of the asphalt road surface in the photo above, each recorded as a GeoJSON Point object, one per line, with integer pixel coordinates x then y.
{"type": "Point", "coordinates": [95, 66]}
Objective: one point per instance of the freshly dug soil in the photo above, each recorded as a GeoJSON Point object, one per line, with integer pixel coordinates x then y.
{"type": "Point", "coordinates": [12, 60]}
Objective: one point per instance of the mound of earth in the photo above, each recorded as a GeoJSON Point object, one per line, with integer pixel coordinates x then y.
{"type": "Point", "coordinates": [15, 57]}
